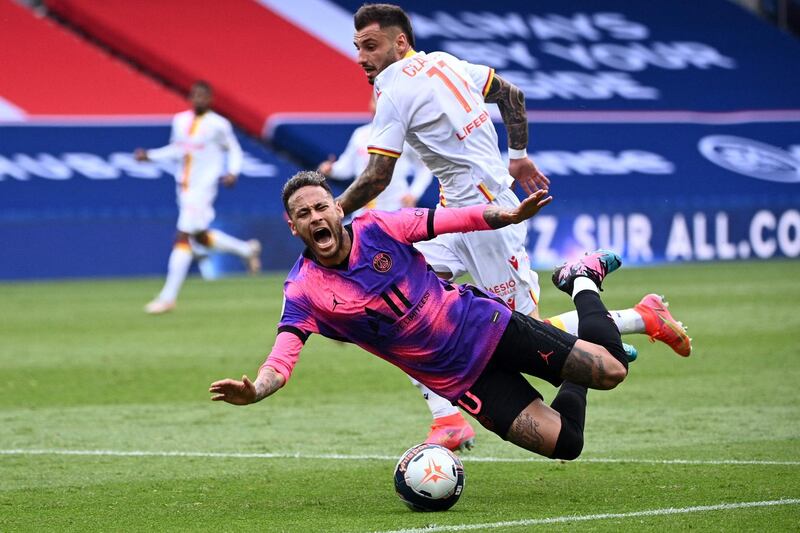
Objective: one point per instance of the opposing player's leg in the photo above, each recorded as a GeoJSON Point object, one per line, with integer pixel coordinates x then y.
{"type": "Point", "coordinates": [180, 259]}
{"type": "Point", "coordinates": [661, 326]}
{"type": "Point", "coordinates": [249, 251]}
{"type": "Point", "coordinates": [449, 428]}
{"type": "Point", "coordinates": [650, 317]}
{"type": "Point", "coordinates": [201, 255]}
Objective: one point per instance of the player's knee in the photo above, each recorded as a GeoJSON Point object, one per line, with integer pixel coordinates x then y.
{"type": "Point", "coordinates": [617, 372]}
{"type": "Point", "coordinates": [570, 442]}
{"type": "Point", "coordinates": [203, 238]}
{"type": "Point", "coordinates": [613, 372]}
{"type": "Point", "coordinates": [182, 238]}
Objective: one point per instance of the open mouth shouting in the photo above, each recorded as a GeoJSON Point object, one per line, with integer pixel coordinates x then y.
{"type": "Point", "coordinates": [323, 238]}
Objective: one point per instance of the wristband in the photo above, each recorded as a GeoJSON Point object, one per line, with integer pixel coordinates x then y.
{"type": "Point", "coordinates": [513, 153]}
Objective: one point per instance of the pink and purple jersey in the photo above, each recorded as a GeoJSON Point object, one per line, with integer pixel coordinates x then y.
{"type": "Point", "coordinates": [387, 300]}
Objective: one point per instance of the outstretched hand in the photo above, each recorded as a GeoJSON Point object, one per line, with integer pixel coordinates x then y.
{"type": "Point", "coordinates": [529, 177]}
{"type": "Point", "coordinates": [233, 391]}
{"type": "Point", "coordinates": [530, 206]}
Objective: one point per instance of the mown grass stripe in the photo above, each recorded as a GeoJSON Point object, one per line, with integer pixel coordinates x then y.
{"type": "Point", "coordinates": [601, 516]}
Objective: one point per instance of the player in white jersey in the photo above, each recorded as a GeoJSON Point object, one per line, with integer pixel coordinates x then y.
{"type": "Point", "coordinates": [437, 104]}
{"type": "Point", "coordinates": [399, 193]}
{"type": "Point", "coordinates": [204, 145]}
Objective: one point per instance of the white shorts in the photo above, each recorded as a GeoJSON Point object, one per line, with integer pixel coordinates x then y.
{"type": "Point", "coordinates": [497, 260]}
{"type": "Point", "coordinates": [196, 211]}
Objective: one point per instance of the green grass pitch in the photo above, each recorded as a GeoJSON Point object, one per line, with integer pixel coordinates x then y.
{"type": "Point", "coordinates": [106, 423]}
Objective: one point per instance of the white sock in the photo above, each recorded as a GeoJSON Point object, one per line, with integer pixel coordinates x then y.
{"type": "Point", "coordinates": [226, 243]}
{"type": "Point", "coordinates": [438, 406]}
{"type": "Point", "coordinates": [204, 264]}
{"type": "Point", "coordinates": [179, 262]}
{"type": "Point", "coordinates": [627, 321]}
{"type": "Point", "coordinates": [582, 283]}
{"type": "Point", "coordinates": [206, 268]}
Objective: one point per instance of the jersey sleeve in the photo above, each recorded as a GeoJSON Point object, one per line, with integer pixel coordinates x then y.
{"type": "Point", "coordinates": [481, 75]}
{"type": "Point", "coordinates": [284, 355]}
{"type": "Point", "coordinates": [297, 316]}
{"type": "Point", "coordinates": [405, 225]}
{"type": "Point", "coordinates": [388, 129]}
{"type": "Point", "coordinates": [414, 224]}
{"type": "Point", "coordinates": [231, 145]}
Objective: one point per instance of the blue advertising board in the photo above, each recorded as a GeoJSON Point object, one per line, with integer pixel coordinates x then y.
{"type": "Point", "coordinates": [618, 55]}
{"type": "Point", "coordinates": [669, 130]}
{"type": "Point", "coordinates": [74, 202]}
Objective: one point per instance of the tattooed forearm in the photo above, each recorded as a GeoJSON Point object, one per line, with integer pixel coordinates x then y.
{"type": "Point", "coordinates": [511, 101]}
{"type": "Point", "coordinates": [584, 368]}
{"type": "Point", "coordinates": [524, 432]}
{"type": "Point", "coordinates": [496, 218]}
{"type": "Point", "coordinates": [268, 382]}
{"type": "Point", "coordinates": [369, 184]}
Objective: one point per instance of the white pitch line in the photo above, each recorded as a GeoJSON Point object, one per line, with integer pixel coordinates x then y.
{"type": "Point", "coordinates": [603, 516]}
{"type": "Point", "coordinates": [350, 457]}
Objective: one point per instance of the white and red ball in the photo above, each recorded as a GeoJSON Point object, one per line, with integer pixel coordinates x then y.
{"type": "Point", "coordinates": [429, 477]}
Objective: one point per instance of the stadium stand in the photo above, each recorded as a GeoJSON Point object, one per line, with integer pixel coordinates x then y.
{"type": "Point", "coordinates": [47, 70]}
{"type": "Point", "coordinates": [259, 62]}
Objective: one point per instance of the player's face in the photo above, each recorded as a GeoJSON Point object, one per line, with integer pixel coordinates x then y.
{"type": "Point", "coordinates": [378, 48]}
{"type": "Point", "coordinates": [200, 97]}
{"type": "Point", "coordinates": [316, 218]}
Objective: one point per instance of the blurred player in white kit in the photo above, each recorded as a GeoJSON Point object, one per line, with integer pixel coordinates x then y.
{"type": "Point", "coordinates": [206, 148]}
{"type": "Point", "coordinates": [399, 192]}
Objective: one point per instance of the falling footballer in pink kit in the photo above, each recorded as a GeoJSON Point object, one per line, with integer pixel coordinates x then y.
{"type": "Point", "coordinates": [389, 302]}
{"type": "Point", "coordinates": [368, 285]}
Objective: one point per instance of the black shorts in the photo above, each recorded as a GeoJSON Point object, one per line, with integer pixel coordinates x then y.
{"type": "Point", "coordinates": [528, 346]}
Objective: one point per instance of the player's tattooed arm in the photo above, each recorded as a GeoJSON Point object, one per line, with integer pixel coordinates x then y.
{"type": "Point", "coordinates": [498, 217]}
{"type": "Point", "coordinates": [511, 101]}
{"type": "Point", "coordinates": [369, 184]}
{"type": "Point", "coordinates": [269, 380]}
{"type": "Point", "coordinates": [245, 392]}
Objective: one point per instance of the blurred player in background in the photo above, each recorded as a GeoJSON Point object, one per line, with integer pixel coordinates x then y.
{"type": "Point", "coordinates": [206, 148]}
{"type": "Point", "coordinates": [437, 104]}
{"type": "Point", "coordinates": [399, 193]}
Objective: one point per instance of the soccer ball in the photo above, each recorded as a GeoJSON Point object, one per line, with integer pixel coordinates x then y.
{"type": "Point", "coordinates": [429, 477]}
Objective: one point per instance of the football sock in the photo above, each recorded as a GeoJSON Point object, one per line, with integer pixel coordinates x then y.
{"type": "Point", "coordinates": [570, 402]}
{"type": "Point", "coordinates": [627, 321]}
{"type": "Point", "coordinates": [179, 262]}
{"type": "Point", "coordinates": [228, 244]}
{"type": "Point", "coordinates": [595, 324]}
{"type": "Point", "coordinates": [204, 264]}
{"type": "Point", "coordinates": [438, 406]}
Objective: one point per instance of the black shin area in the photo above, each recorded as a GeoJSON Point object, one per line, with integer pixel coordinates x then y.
{"type": "Point", "coordinates": [570, 402]}
{"type": "Point", "coordinates": [596, 325]}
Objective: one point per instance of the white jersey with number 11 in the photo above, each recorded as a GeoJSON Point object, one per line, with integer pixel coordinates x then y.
{"type": "Point", "coordinates": [435, 102]}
